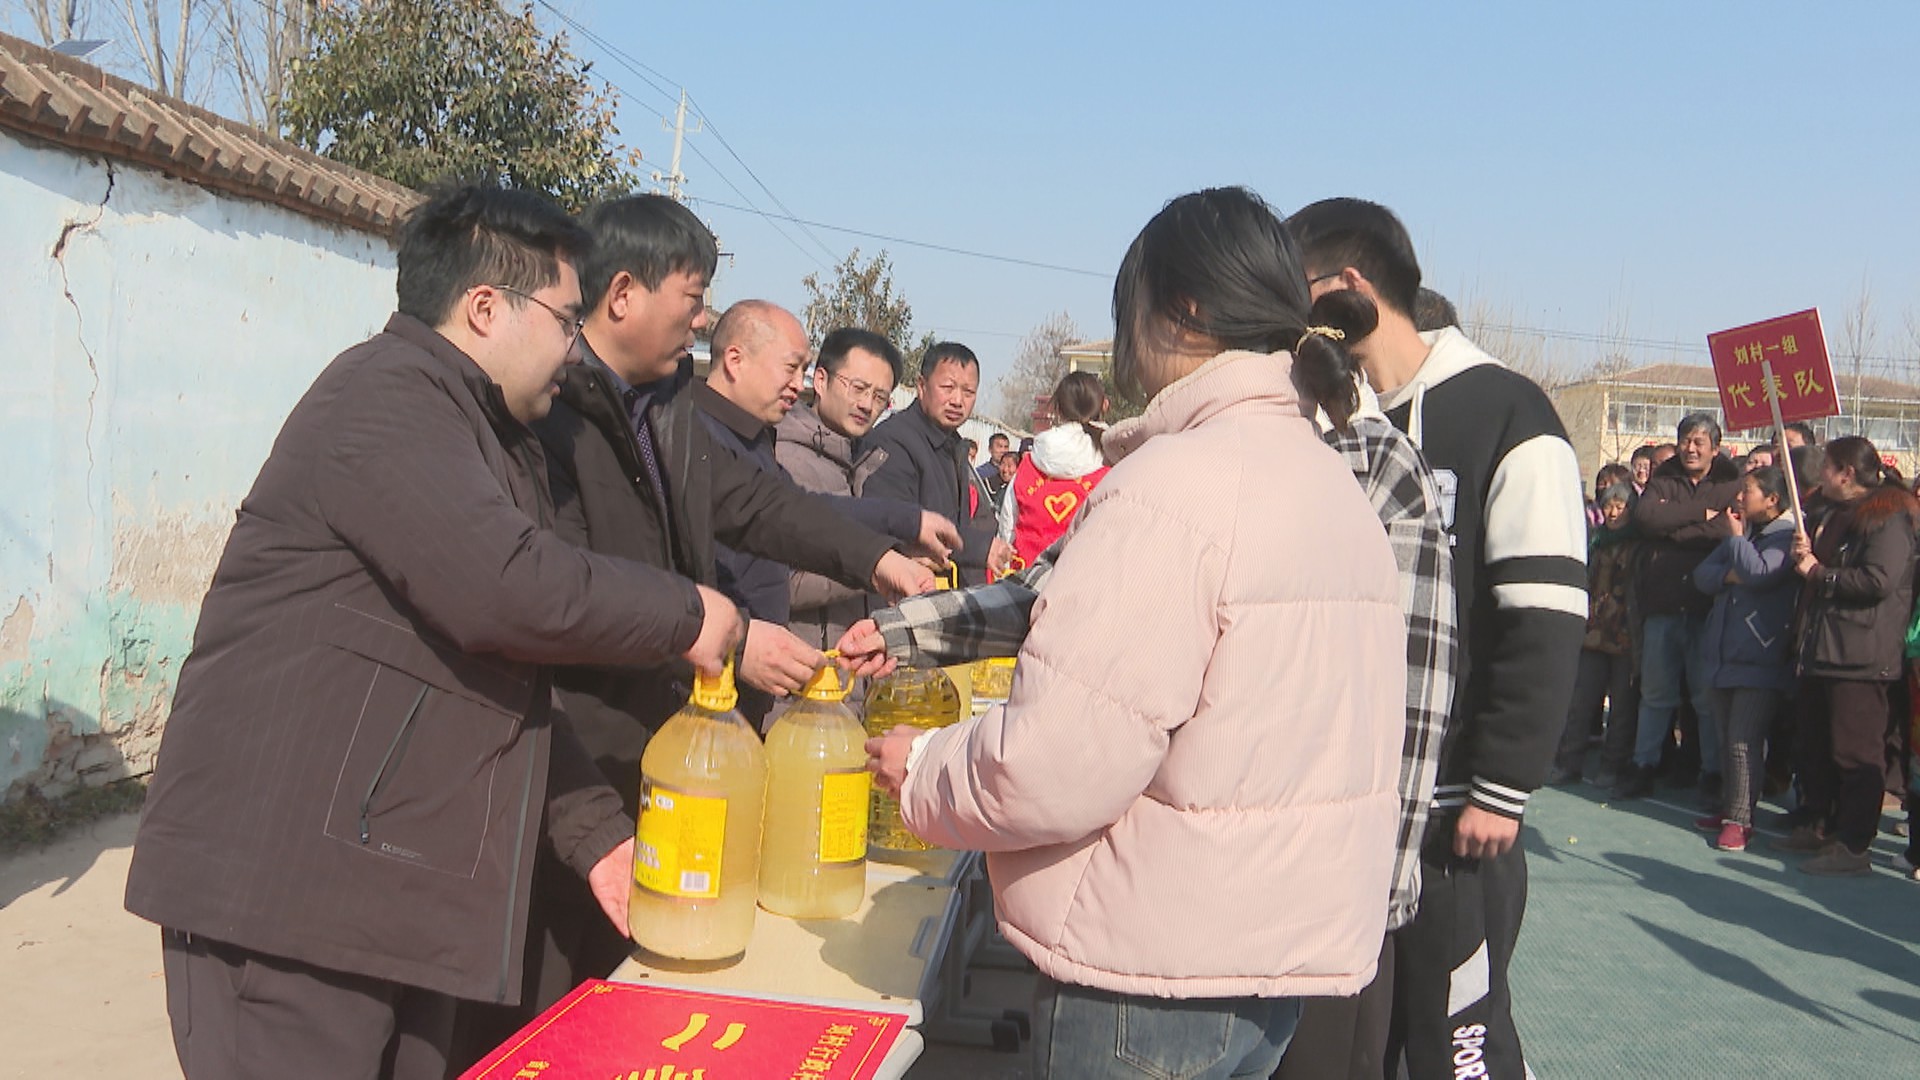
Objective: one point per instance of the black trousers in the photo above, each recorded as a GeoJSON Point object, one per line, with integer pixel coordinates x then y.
{"type": "Point", "coordinates": [1344, 1036]}
{"type": "Point", "coordinates": [1603, 685]}
{"type": "Point", "coordinates": [1842, 747]}
{"type": "Point", "coordinates": [238, 1015]}
{"type": "Point", "coordinates": [1452, 1009]}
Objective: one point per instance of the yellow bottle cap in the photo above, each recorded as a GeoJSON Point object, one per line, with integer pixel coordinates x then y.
{"type": "Point", "coordinates": [825, 684]}
{"type": "Point", "coordinates": [715, 693]}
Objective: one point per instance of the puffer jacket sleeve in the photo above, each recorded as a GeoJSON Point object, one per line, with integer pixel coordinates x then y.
{"type": "Point", "coordinates": [1121, 641]}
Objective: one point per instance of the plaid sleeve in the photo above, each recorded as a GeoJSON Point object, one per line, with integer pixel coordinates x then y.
{"type": "Point", "coordinates": [961, 625]}
{"type": "Point", "coordinates": [1401, 488]}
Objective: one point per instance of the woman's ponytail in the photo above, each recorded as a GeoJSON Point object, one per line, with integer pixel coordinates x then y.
{"type": "Point", "coordinates": [1077, 399]}
{"type": "Point", "coordinates": [1323, 366]}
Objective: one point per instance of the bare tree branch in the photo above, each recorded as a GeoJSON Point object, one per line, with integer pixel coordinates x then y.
{"type": "Point", "coordinates": [55, 20]}
{"type": "Point", "coordinates": [1859, 331]}
{"type": "Point", "coordinates": [1037, 368]}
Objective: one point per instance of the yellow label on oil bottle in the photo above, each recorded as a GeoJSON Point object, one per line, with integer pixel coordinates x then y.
{"type": "Point", "coordinates": [678, 842]}
{"type": "Point", "coordinates": [843, 815]}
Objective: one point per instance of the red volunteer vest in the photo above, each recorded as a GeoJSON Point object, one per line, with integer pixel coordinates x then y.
{"type": "Point", "coordinates": [1047, 506]}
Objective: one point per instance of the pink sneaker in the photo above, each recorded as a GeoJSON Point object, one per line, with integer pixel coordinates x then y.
{"type": "Point", "coordinates": [1711, 823]}
{"type": "Point", "coordinates": [1733, 837]}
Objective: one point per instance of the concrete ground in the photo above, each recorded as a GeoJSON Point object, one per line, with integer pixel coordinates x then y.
{"type": "Point", "coordinates": [1645, 953]}
{"type": "Point", "coordinates": [82, 994]}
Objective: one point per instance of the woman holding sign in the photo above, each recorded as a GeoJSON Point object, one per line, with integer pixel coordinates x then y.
{"type": "Point", "coordinates": [1857, 601]}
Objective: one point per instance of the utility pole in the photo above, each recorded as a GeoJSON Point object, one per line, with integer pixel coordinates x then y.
{"type": "Point", "coordinates": [673, 179]}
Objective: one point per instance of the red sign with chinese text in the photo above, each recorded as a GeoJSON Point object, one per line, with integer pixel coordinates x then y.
{"type": "Point", "coordinates": [1802, 373]}
{"type": "Point", "coordinates": [623, 1031]}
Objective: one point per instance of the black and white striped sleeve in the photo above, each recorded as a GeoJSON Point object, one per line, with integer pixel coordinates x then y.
{"type": "Point", "coordinates": [1535, 544]}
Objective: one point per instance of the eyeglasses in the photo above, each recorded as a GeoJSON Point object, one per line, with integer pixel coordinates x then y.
{"type": "Point", "coordinates": [864, 391]}
{"type": "Point", "coordinates": [1311, 282]}
{"type": "Point", "coordinates": [569, 324]}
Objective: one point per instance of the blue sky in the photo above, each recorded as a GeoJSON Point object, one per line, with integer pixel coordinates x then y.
{"type": "Point", "coordinates": [1652, 170]}
{"type": "Point", "coordinates": [1646, 172]}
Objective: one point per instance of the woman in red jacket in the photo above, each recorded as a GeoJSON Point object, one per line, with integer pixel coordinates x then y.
{"type": "Point", "coordinates": [1053, 481]}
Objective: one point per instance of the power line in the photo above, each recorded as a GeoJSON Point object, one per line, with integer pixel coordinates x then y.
{"type": "Point", "coordinates": [910, 243]}
{"type": "Point", "coordinates": [798, 246]}
{"type": "Point", "coordinates": [647, 75]}
{"type": "Point", "coordinates": [620, 56]}
{"type": "Point", "coordinates": [714, 128]}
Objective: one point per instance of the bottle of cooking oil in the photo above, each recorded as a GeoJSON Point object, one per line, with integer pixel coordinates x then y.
{"type": "Point", "coordinates": [992, 682]}
{"type": "Point", "coordinates": [960, 674]}
{"type": "Point", "coordinates": [703, 787]}
{"type": "Point", "coordinates": [813, 858]}
{"type": "Point", "coordinates": [922, 699]}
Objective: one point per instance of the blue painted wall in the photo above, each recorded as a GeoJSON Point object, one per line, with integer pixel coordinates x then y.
{"type": "Point", "coordinates": [153, 336]}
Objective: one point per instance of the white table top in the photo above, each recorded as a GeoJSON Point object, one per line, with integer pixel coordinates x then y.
{"type": "Point", "coordinates": [884, 956]}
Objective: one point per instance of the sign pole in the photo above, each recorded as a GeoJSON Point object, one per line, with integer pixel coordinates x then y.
{"type": "Point", "coordinates": [1780, 439]}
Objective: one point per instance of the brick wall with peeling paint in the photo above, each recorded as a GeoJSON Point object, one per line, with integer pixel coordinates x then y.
{"type": "Point", "coordinates": [155, 335]}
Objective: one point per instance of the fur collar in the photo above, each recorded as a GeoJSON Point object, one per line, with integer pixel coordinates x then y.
{"type": "Point", "coordinates": [1879, 505]}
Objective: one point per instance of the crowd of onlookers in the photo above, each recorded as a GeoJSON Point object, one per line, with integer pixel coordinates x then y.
{"type": "Point", "coordinates": [1742, 650]}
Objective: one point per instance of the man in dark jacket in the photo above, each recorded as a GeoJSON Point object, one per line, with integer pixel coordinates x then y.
{"type": "Point", "coordinates": [759, 358]}
{"type": "Point", "coordinates": [822, 447]}
{"type": "Point", "coordinates": [636, 475]}
{"type": "Point", "coordinates": [998, 446]}
{"type": "Point", "coordinates": [362, 757]}
{"type": "Point", "coordinates": [1682, 516]}
{"type": "Point", "coordinates": [927, 459]}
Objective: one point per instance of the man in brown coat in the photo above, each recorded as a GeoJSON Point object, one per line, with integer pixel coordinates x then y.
{"type": "Point", "coordinates": [363, 757]}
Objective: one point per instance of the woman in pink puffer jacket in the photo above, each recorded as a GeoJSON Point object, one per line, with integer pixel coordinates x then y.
{"type": "Point", "coordinates": [1188, 803]}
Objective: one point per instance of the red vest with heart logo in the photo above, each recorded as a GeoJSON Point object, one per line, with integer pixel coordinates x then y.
{"type": "Point", "coordinates": [1047, 505]}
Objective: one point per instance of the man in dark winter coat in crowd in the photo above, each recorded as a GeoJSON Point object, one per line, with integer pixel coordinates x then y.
{"type": "Point", "coordinates": [1681, 518]}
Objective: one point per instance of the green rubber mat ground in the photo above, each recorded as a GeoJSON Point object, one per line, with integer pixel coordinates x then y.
{"type": "Point", "coordinates": [1646, 953]}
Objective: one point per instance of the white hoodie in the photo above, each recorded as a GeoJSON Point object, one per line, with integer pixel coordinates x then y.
{"type": "Point", "coordinates": [1065, 452]}
{"type": "Point", "coordinates": [1450, 352]}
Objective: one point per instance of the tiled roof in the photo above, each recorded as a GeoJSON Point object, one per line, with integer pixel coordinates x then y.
{"type": "Point", "coordinates": [1698, 377]}
{"type": "Point", "coordinates": [74, 104]}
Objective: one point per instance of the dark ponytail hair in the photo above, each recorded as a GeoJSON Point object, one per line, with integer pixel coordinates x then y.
{"type": "Point", "coordinates": [1219, 265]}
{"type": "Point", "coordinates": [1323, 367]}
{"type": "Point", "coordinates": [1077, 400]}
{"type": "Point", "coordinates": [1856, 453]}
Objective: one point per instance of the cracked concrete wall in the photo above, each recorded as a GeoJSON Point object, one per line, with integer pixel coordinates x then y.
{"type": "Point", "coordinates": [155, 335]}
